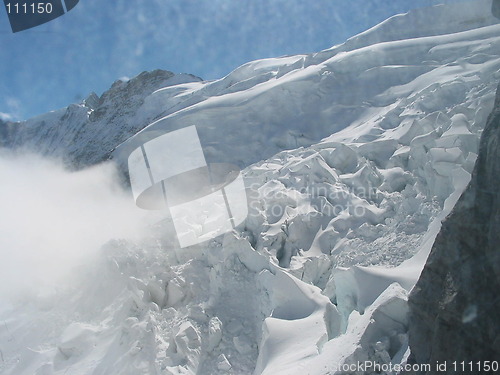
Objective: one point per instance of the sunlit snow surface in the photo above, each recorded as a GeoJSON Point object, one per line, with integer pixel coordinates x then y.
{"type": "Point", "coordinates": [380, 137]}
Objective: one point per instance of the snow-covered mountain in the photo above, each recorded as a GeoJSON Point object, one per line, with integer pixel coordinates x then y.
{"type": "Point", "coordinates": [352, 157]}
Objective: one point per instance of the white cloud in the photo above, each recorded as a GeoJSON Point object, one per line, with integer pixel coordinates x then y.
{"type": "Point", "coordinates": [52, 220]}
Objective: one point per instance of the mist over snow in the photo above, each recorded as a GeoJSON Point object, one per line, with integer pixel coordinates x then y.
{"type": "Point", "coordinates": [52, 219]}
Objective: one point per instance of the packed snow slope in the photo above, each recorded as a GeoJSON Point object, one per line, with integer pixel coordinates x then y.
{"type": "Point", "coordinates": [352, 157]}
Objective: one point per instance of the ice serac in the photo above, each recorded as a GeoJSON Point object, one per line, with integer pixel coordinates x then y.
{"type": "Point", "coordinates": [454, 306]}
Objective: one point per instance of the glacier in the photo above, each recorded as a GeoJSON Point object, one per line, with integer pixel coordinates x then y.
{"type": "Point", "coordinates": [352, 157]}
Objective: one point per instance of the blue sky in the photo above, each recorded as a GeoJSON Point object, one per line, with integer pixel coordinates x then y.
{"type": "Point", "coordinates": [99, 41]}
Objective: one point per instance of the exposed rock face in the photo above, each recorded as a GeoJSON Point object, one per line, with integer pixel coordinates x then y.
{"type": "Point", "coordinates": [455, 305]}
{"type": "Point", "coordinates": [495, 8]}
{"type": "Point", "coordinates": [85, 134]}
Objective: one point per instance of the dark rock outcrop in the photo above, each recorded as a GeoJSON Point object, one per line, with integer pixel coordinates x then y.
{"type": "Point", "coordinates": [85, 134]}
{"type": "Point", "coordinates": [495, 8]}
{"type": "Point", "coordinates": [454, 308]}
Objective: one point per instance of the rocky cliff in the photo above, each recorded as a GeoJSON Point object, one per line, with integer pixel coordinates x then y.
{"type": "Point", "coordinates": [454, 306]}
{"type": "Point", "coordinates": [85, 134]}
